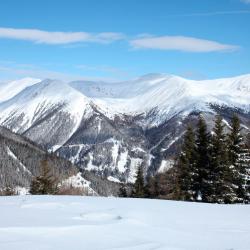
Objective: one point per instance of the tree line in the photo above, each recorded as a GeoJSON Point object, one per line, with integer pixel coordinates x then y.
{"type": "Point", "coordinates": [211, 167]}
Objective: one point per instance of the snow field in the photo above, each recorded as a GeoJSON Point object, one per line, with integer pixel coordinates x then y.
{"type": "Point", "coordinates": [94, 223]}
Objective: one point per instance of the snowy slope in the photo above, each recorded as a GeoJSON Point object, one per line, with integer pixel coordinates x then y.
{"type": "Point", "coordinates": [169, 94]}
{"type": "Point", "coordinates": [50, 110]}
{"type": "Point", "coordinates": [35, 100]}
{"type": "Point", "coordinates": [53, 222]}
{"type": "Point", "coordinates": [12, 88]}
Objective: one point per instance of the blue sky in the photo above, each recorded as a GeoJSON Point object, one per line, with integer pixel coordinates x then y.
{"type": "Point", "coordinates": [122, 39]}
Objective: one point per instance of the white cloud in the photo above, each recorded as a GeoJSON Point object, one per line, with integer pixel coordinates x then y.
{"type": "Point", "coordinates": [214, 13]}
{"type": "Point", "coordinates": [12, 70]}
{"type": "Point", "coordinates": [181, 43]}
{"type": "Point", "coordinates": [245, 1]}
{"type": "Point", "coordinates": [48, 37]}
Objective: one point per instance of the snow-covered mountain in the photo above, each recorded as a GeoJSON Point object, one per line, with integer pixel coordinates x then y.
{"type": "Point", "coordinates": [112, 128]}
{"type": "Point", "coordinates": [167, 94]}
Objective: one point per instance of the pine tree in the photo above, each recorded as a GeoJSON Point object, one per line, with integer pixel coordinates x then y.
{"type": "Point", "coordinates": [187, 167]}
{"type": "Point", "coordinates": [236, 160]}
{"type": "Point", "coordinates": [45, 183]}
{"type": "Point", "coordinates": [203, 180]}
{"type": "Point", "coordinates": [139, 188]}
{"type": "Point", "coordinates": [222, 191]}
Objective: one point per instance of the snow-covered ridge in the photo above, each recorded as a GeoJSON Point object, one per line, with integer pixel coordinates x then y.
{"type": "Point", "coordinates": [12, 88]}
{"type": "Point", "coordinates": [168, 94]}
{"type": "Point", "coordinates": [36, 99]}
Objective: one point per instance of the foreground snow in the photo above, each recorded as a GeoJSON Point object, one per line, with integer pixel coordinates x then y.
{"type": "Point", "coordinates": [68, 222]}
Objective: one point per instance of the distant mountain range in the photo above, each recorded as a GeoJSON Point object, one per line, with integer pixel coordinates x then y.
{"type": "Point", "coordinates": [112, 128]}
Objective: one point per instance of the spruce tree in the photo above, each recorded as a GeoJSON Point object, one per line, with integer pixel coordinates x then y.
{"type": "Point", "coordinates": [187, 167]}
{"type": "Point", "coordinates": [244, 166]}
{"type": "Point", "coordinates": [238, 167]}
{"type": "Point", "coordinates": [221, 191]}
{"type": "Point", "coordinates": [203, 185]}
{"type": "Point", "coordinates": [139, 188]}
{"type": "Point", "coordinates": [45, 183]}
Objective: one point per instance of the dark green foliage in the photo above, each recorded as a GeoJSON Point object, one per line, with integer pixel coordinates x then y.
{"type": "Point", "coordinates": [139, 188]}
{"type": "Point", "coordinates": [202, 183]}
{"type": "Point", "coordinates": [234, 140]}
{"type": "Point", "coordinates": [222, 188]}
{"type": "Point", "coordinates": [45, 183]}
{"type": "Point", "coordinates": [235, 152]}
{"type": "Point", "coordinates": [212, 168]}
{"type": "Point", "coordinates": [187, 167]}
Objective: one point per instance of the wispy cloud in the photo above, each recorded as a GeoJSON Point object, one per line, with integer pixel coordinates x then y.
{"type": "Point", "coordinates": [245, 1]}
{"type": "Point", "coordinates": [214, 13]}
{"type": "Point", "coordinates": [181, 43]}
{"type": "Point", "coordinates": [48, 37]}
{"type": "Point", "coordinates": [12, 70]}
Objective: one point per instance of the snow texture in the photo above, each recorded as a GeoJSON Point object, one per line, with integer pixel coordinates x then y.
{"type": "Point", "coordinates": [77, 181]}
{"type": "Point", "coordinates": [91, 223]}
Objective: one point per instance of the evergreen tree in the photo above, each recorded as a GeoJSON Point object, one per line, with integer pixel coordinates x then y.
{"type": "Point", "coordinates": [123, 191]}
{"type": "Point", "coordinates": [248, 141]}
{"type": "Point", "coordinates": [139, 188]}
{"type": "Point", "coordinates": [244, 166]}
{"type": "Point", "coordinates": [222, 191]}
{"type": "Point", "coordinates": [203, 180]}
{"type": "Point", "coordinates": [45, 183]}
{"type": "Point", "coordinates": [237, 162]}
{"type": "Point", "coordinates": [235, 140]}
{"type": "Point", "coordinates": [187, 167]}
{"type": "Point", "coordinates": [152, 187]}
{"type": "Point", "coordinates": [248, 168]}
